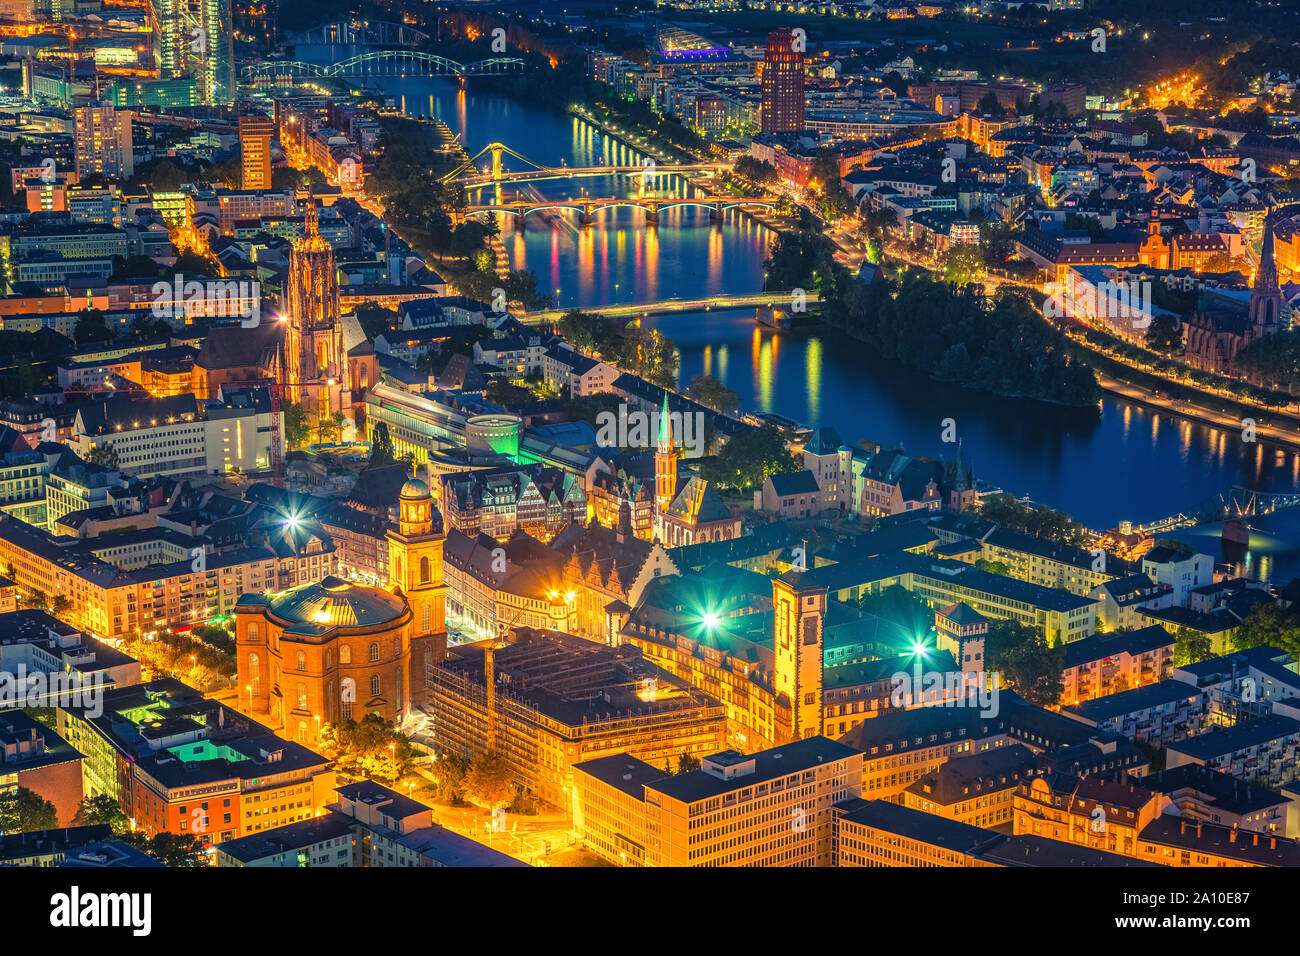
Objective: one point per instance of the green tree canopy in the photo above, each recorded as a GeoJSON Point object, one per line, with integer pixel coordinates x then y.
{"type": "Point", "coordinates": [489, 780]}
{"type": "Point", "coordinates": [23, 810]}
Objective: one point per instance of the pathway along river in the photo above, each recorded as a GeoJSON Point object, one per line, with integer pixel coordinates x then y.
{"type": "Point", "coordinates": [1132, 462]}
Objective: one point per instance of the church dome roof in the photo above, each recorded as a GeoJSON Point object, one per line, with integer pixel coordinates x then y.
{"type": "Point", "coordinates": [415, 488]}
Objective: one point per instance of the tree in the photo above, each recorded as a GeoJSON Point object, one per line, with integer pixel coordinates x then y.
{"type": "Point", "coordinates": [1191, 646]}
{"type": "Point", "coordinates": [369, 747]}
{"type": "Point", "coordinates": [451, 769]}
{"type": "Point", "coordinates": [988, 104]}
{"type": "Point", "coordinates": [488, 782]}
{"type": "Point", "coordinates": [747, 459]}
{"type": "Point", "coordinates": [331, 427]}
{"type": "Point", "coordinates": [23, 810]}
{"type": "Point", "coordinates": [101, 808]}
{"type": "Point", "coordinates": [105, 455]}
{"type": "Point", "coordinates": [91, 327]}
{"type": "Point", "coordinates": [521, 286]}
{"type": "Point", "coordinates": [1269, 624]}
{"type": "Point", "coordinates": [659, 359]}
{"type": "Point", "coordinates": [59, 605]}
{"type": "Point", "coordinates": [382, 451]}
{"type": "Point", "coordinates": [993, 567]}
{"type": "Point", "coordinates": [1029, 665]}
{"type": "Point", "coordinates": [586, 331]}
{"type": "Point", "coordinates": [171, 849]}
{"type": "Point", "coordinates": [191, 263]}
{"type": "Point", "coordinates": [963, 264]}
{"type": "Point", "coordinates": [507, 394]}
{"type": "Point", "coordinates": [295, 424]}
{"type": "Point", "coordinates": [687, 763]}
{"type": "Point", "coordinates": [707, 390]}
{"type": "Point", "coordinates": [1165, 335]}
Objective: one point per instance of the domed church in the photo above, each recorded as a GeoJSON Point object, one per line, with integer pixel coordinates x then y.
{"type": "Point", "coordinates": [335, 650]}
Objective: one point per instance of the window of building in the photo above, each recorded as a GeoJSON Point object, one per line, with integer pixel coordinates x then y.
{"type": "Point", "coordinates": [374, 652]}
{"type": "Point", "coordinates": [374, 685]}
{"type": "Point", "coordinates": [345, 654]}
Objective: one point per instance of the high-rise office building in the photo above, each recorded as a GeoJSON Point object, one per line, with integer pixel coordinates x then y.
{"type": "Point", "coordinates": [194, 37]}
{"type": "Point", "coordinates": [783, 82]}
{"type": "Point", "coordinates": [102, 141]}
{"type": "Point", "coordinates": [255, 132]}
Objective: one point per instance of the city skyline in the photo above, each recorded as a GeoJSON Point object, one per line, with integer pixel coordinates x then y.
{"type": "Point", "coordinates": [683, 434]}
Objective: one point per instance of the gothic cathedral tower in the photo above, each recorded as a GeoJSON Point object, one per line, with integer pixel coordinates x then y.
{"type": "Point", "coordinates": [799, 608]}
{"type": "Point", "coordinates": [665, 469]}
{"type": "Point", "coordinates": [316, 365]}
{"type": "Point", "coordinates": [415, 571]}
{"type": "Point", "coordinates": [1265, 297]}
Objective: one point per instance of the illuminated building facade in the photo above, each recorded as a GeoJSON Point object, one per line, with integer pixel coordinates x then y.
{"type": "Point", "coordinates": [415, 572]}
{"type": "Point", "coordinates": [195, 38]}
{"type": "Point", "coordinates": [102, 141]}
{"type": "Point", "coordinates": [975, 789]}
{"type": "Point", "coordinates": [500, 501]}
{"type": "Point", "coordinates": [799, 612]}
{"type": "Point", "coordinates": [687, 510]}
{"type": "Point", "coordinates": [771, 808]}
{"type": "Point", "coordinates": [255, 134]}
{"type": "Point", "coordinates": [179, 763]}
{"type": "Point", "coordinates": [316, 369]}
{"type": "Point", "coordinates": [561, 700]}
{"type": "Point", "coordinates": [783, 83]}
{"type": "Point", "coordinates": [322, 652]}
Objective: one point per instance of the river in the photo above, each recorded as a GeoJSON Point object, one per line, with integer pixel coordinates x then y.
{"type": "Point", "coordinates": [1128, 463]}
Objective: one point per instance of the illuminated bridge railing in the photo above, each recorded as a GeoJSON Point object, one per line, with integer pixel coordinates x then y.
{"type": "Point", "coordinates": [380, 63]}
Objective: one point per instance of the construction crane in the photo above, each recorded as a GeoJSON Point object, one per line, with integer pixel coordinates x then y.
{"type": "Point", "coordinates": [275, 387]}
{"type": "Point", "coordinates": [277, 453]}
{"type": "Point", "coordinates": [490, 674]}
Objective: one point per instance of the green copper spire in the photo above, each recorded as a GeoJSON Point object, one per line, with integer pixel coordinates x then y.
{"type": "Point", "coordinates": [665, 424]}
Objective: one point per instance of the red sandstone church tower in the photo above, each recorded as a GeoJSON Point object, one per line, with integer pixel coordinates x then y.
{"type": "Point", "coordinates": [316, 366]}
{"type": "Point", "coordinates": [665, 467]}
{"type": "Point", "coordinates": [1265, 295]}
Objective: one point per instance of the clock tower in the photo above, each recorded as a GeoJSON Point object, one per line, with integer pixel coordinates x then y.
{"type": "Point", "coordinates": [415, 571]}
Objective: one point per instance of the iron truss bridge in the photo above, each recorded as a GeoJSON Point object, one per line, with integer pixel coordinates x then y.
{"type": "Point", "coordinates": [378, 63]}
{"type": "Point", "coordinates": [1237, 502]}
{"type": "Point", "coordinates": [586, 209]}
{"type": "Point", "coordinates": [468, 174]}
{"type": "Point", "coordinates": [360, 33]}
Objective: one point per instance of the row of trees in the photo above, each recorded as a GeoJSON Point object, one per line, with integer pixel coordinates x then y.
{"type": "Point", "coordinates": [1039, 520]}
{"type": "Point", "coordinates": [956, 334]}
{"type": "Point", "coordinates": [649, 353]}
{"type": "Point", "coordinates": [747, 459]}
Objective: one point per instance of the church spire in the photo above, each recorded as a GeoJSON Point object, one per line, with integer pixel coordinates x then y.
{"type": "Point", "coordinates": [1266, 277]}
{"type": "Point", "coordinates": [665, 468]}
{"type": "Point", "coordinates": [665, 428]}
{"type": "Point", "coordinates": [1265, 296]}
